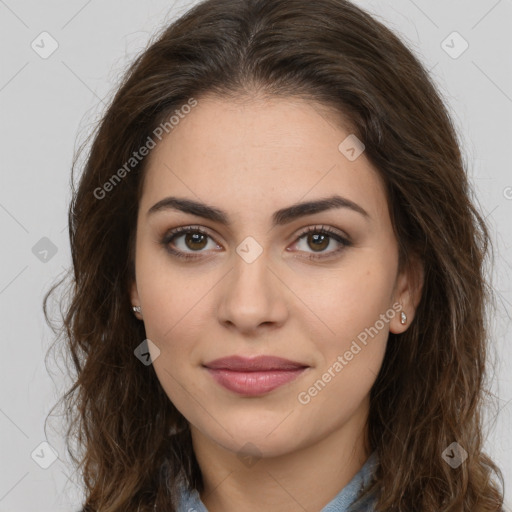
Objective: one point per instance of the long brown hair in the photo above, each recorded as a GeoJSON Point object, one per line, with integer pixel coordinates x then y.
{"type": "Point", "coordinates": [132, 443]}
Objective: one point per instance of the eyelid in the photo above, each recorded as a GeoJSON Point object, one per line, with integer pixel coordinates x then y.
{"type": "Point", "coordinates": [183, 230]}
{"type": "Point", "coordinates": [334, 233]}
{"type": "Point", "coordinates": [322, 228]}
{"type": "Point", "coordinates": [298, 234]}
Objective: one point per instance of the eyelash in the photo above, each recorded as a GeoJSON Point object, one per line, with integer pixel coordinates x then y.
{"type": "Point", "coordinates": [175, 233]}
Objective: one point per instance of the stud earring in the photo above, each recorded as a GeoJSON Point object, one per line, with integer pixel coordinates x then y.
{"type": "Point", "coordinates": [137, 309]}
{"type": "Point", "coordinates": [403, 318]}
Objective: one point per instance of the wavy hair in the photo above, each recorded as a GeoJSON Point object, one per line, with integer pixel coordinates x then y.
{"type": "Point", "coordinates": [132, 444]}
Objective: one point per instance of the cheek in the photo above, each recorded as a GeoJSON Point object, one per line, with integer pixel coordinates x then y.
{"type": "Point", "coordinates": [349, 300]}
{"type": "Point", "coordinates": [174, 309]}
{"type": "Point", "coordinates": [350, 334]}
{"type": "Point", "coordinates": [175, 299]}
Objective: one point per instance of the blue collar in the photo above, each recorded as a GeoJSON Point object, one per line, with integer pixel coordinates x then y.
{"type": "Point", "coordinates": [190, 500]}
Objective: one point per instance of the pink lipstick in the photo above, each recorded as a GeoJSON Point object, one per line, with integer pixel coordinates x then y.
{"type": "Point", "coordinates": [254, 376]}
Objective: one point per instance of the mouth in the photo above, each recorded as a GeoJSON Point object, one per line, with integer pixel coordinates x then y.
{"type": "Point", "coordinates": [254, 376]}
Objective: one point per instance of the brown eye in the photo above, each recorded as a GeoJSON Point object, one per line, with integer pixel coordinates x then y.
{"type": "Point", "coordinates": [185, 241]}
{"type": "Point", "coordinates": [195, 241]}
{"type": "Point", "coordinates": [318, 242]}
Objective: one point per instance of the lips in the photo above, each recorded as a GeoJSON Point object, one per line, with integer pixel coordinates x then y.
{"type": "Point", "coordinates": [254, 364]}
{"type": "Point", "coordinates": [253, 376]}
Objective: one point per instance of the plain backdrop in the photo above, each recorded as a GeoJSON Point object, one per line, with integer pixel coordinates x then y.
{"type": "Point", "coordinates": [49, 103]}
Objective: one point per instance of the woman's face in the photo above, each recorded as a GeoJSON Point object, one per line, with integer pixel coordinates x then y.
{"type": "Point", "coordinates": [257, 283]}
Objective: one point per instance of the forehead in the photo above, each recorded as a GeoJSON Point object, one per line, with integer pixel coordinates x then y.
{"type": "Point", "coordinates": [257, 153]}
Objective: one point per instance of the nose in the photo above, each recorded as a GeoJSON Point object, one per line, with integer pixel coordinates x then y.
{"type": "Point", "coordinates": [253, 297]}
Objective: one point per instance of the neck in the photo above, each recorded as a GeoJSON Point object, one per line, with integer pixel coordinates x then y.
{"type": "Point", "coordinates": [307, 478]}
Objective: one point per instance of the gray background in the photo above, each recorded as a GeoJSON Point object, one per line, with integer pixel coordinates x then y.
{"type": "Point", "coordinates": [49, 106]}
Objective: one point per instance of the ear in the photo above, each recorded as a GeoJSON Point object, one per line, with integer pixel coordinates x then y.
{"type": "Point", "coordinates": [134, 298]}
{"type": "Point", "coordinates": [408, 290]}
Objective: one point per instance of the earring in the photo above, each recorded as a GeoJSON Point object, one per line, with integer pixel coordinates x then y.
{"type": "Point", "coordinates": [403, 318]}
{"type": "Point", "coordinates": [137, 309]}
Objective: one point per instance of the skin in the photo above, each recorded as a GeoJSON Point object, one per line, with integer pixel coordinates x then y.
{"type": "Point", "coordinates": [251, 157]}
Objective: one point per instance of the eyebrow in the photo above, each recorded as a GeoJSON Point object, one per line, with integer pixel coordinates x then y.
{"type": "Point", "coordinates": [280, 217]}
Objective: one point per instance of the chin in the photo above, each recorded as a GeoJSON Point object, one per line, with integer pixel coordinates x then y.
{"type": "Point", "coordinates": [250, 444]}
{"type": "Point", "coordinates": [252, 437]}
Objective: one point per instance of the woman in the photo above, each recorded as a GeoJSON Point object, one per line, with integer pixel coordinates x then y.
{"type": "Point", "coordinates": [278, 298]}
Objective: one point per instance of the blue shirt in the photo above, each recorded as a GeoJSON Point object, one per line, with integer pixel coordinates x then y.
{"type": "Point", "coordinates": [190, 501]}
